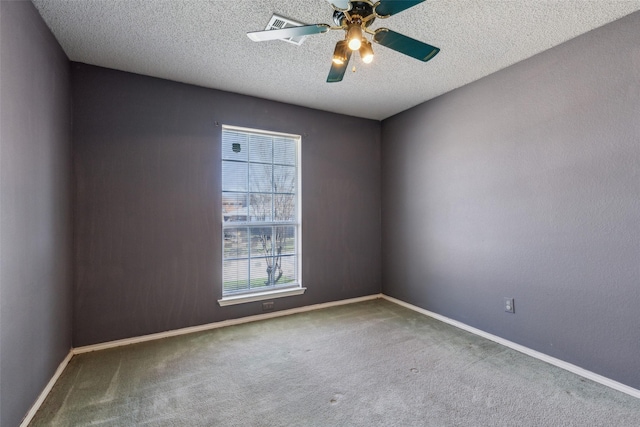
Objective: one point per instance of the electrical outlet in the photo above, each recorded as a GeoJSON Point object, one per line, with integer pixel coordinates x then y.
{"type": "Point", "coordinates": [267, 306]}
{"type": "Point", "coordinates": [508, 305]}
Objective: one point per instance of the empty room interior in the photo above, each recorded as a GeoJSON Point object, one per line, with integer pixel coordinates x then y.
{"type": "Point", "coordinates": [208, 219]}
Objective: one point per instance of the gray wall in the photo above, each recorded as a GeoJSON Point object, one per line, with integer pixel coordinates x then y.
{"type": "Point", "coordinates": [526, 184]}
{"type": "Point", "coordinates": [35, 207]}
{"type": "Point", "coordinates": [148, 212]}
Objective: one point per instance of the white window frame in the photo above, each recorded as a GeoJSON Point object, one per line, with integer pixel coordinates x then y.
{"type": "Point", "coordinates": [279, 292]}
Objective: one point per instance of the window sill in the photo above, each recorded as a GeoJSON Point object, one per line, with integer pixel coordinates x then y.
{"type": "Point", "coordinates": [259, 296]}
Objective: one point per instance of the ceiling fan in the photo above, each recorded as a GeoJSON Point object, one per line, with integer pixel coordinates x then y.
{"type": "Point", "coordinates": [355, 17]}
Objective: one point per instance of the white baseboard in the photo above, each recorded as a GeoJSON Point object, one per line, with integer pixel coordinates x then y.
{"type": "Point", "coordinates": [522, 349]}
{"type": "Point", "coordinates": [216, 325]}
{"type": "Point", "coordinates": [34, 408]}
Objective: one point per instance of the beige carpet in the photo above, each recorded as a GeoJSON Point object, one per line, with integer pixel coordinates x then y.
{"type": "Point", "coordinates": [366, 364]}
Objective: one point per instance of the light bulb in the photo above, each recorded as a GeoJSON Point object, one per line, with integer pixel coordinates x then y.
{"type": "Point", "coordinates": [340, 52]}
{"type": "Point", "coordinates": [354, 36]}
{"type": "Point", "coordinates": [366, 52]}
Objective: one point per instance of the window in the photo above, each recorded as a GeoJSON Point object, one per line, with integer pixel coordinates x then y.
{"type": "Point", "coordinates": [261, 215]}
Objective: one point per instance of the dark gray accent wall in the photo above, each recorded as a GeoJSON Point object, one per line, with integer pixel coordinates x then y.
{"type": "Point", "coordinates": [148, 211]}
{"type": "Point", "coordinates": [526, 184]}
{"type": "Point", "coordinates": [35, 208]}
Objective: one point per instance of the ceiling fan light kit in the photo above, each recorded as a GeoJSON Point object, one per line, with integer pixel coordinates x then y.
{"type": "Point", "coordinates": [366, 51]}
{"type": "Point", "coordinates": [354, 36]}
{"type": "Point", "coordinates": [354, 18]}
{"type": "Point", "coordinates": [340, 52]}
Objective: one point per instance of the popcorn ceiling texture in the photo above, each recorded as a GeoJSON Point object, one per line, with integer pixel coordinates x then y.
{"type": "Point", "coordinates": [204, 43]}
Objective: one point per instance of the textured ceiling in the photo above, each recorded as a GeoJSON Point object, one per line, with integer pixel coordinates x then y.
{"type": "Point", "coordinates": [205, 43]}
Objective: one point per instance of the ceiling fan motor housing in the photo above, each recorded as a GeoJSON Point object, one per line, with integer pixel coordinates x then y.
{"type": "Point", "coordinates": [360, 9]}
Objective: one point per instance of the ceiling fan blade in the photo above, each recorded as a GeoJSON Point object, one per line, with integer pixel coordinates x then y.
{"type": "Point", "coordinates": [284, 33]}
{"type": "Point", "coordinates": [340, 4]}
{"type": "Point", "coordinates": [407, 45]}
{"type": "Point", "coordinates": [337, 70]}
{"type": "Point", "coordinates": [391, 7]}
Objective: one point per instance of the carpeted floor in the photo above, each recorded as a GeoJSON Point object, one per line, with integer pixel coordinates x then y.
{"type": "Point", "coordinates": [367, 364]}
